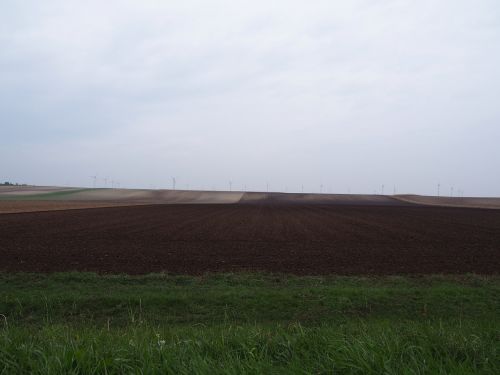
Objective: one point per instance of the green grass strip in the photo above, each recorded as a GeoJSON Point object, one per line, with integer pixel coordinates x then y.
{"type": "Point", "coordinates": [43, 196]}
{"type": "Point", "coordinates": [82, 323]}
{"type": "Point", "coordinates": [243, 298]}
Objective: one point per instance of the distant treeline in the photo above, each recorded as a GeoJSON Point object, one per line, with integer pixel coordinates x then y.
{"type": "Point", "coordinates": [11, 184]}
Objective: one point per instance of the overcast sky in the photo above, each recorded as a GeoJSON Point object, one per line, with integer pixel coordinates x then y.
{"type": "Point", "coordinates": [351, 95]}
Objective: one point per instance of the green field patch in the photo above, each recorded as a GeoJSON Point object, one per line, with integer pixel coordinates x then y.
{"type": "Point", "coordinates": [55, 195]}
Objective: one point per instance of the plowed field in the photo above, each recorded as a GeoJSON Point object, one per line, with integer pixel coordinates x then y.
{"type": "Point", "coordinates": [299, 239]}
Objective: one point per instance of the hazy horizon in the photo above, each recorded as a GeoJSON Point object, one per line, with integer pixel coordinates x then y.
{"type": "Point", "coordinates": [115, 185]}
{"type": "Point", "coordinates": [349, 96]}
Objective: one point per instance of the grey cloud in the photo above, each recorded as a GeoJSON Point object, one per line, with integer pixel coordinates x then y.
{"type": "Point", "coordinates": [346, 94]}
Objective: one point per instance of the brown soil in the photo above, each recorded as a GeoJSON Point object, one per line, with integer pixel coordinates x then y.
{"type": "Point", "coordinates": [335, 199]}
{"type": "Point", "coordinates": [42, 193]}
{"type": "Point", "coordinates": [470, 202]}
{"type": "Point", "coordinates": [306, 239]}
{"type": "Point", "coordinates": [35, 206]}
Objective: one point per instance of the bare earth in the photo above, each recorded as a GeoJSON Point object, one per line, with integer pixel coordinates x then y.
{"type": "Point", "coordinates": [471, 202]}
{"type": "Point", "coordinates": [142, 231]}
{"type": "Point", "coordinates": [334, 199]}
{"type": "Point", "coordinates": [306, 239]}
{"type": "Point", "coordinates": [41, 198]}
{"type": "Point", "coordinates": [38, 206]}
{"type": "Point", "coordinates": [48, 198]}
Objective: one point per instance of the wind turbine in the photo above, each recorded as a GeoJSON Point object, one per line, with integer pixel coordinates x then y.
{"type": "Point", "coordinates": [94, 178]}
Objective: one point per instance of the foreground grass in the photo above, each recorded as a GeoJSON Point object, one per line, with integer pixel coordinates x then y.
{"type": "Point", "coordinates": [253, 323]}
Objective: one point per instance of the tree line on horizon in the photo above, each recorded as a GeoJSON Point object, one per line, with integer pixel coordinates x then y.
{"type": "Point", "coordinates": [7, 183]}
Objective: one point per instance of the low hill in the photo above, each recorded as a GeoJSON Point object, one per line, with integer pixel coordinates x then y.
{"type": "Point", "coordinates": [47, 198]}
